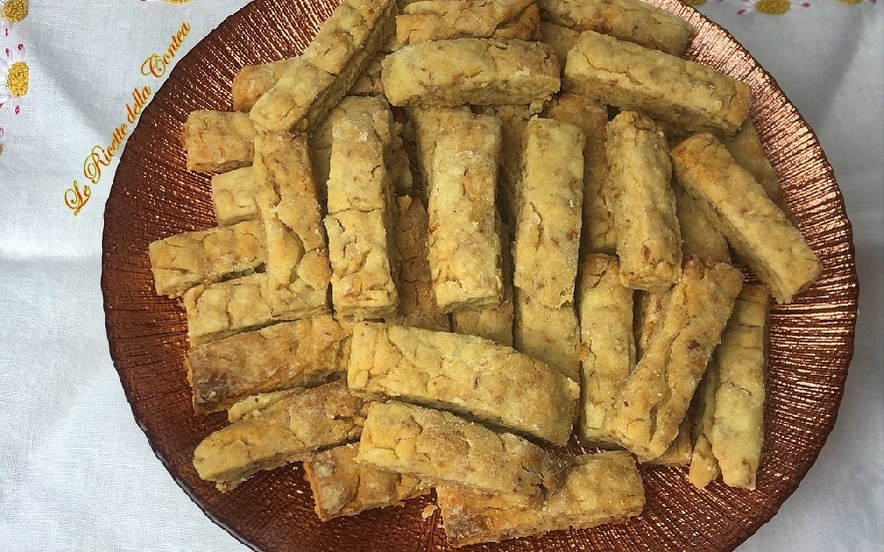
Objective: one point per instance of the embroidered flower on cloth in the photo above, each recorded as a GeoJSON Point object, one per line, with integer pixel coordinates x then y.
{"type": "Point", "coordinates": [772, 7]}
{"type": "Point", "coordinates": [11, 12]}
{"type": "Point", "coordinates": [14, 78]}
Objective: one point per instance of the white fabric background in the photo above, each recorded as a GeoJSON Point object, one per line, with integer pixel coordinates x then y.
{"type": "Point", "coordinates": [76, 472]}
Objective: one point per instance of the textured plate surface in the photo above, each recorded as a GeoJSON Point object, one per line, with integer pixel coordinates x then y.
{"type": "Point", "coordinates": [153, 196]}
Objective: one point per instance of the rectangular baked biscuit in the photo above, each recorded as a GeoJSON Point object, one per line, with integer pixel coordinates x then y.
{"type": "Point", "coordinates": [318, 79]}
{"type": "Point", "coordinates": [547, 240]}
{"type": "Point", "coordinates": [649, 409]}
{"type": "Point", "coordinates": [289, 430]}
{"type": "Point", "coordinates": [645, 220]}
{"type": "Point", "coordinates": [688, 95]}
{"type": "Point", "coordinates": [428, 20]}
{"type": "Point", "coordinates": [343, 487]}
{"type": "Point", "coordinates": [297, 267]}
{"type": "Point", "coordinates": [302, 353]}
{"type": "Point", "coordinates": [739, 207]}
{"type": "Point", "coordinates": [185, 260]}
{"type": "Point", "coordinates": [217, 141]}
{"type": "Point", "coordinates": [630, 20]}
{"type": "Point", "coordinates": [466, 374]}
{"type": "Point", "coordinates": [737, 432]}
{"type": "Point", "coordinates": [606, 317]}
{"type": "Point", "coordinates": [476, 71]}
{"type": "Point", "coordinates": [464, 246]}
{"type": "Point", "coordinates": [360, 214]}
{"type": "Point", "coordinates": [598, 488]}
{"type": "Point", "coordinates": [442, 448]}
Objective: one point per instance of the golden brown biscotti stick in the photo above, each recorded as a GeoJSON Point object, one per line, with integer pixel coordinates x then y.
{"type": "Point", "coordinates": [316, 82]}
{"type": "Point", "coordinates": [547, 239]}
{"type": "Point", "coordinates": [218, 310]}
{"type": "Point", "coordinates": [429, 20]}
{"type": "Point", "coordinates": [667, 88]}
{"type": "Point", "coordinates": [699, 237]}
{"type": "Point", "coordinates": [562, 39]}
{"type": "Point", "coordinates": [738, 206]}
{"type": "Point", "coordinates": [360, 214]}
{"type": "Point", "coordinates": [442, 448]}
{"type": "Point", "coordinates": [513, 119]}
{"type": "Point", "coordinates": [252, 81]}
{"type": "Point", "coordinates": [343, 487]}
{"type": "Point", "coordinates": [494, 322]}
{"type": "Point", "coordinates": [302, 353]}
{"type": "Point", "coordinates": [549, 334]}
{"type": "Point", "coordinates": [647, 412]}
{"type": "Point", "coordinates": [629, 20]}
{"type": "Point", "coordinates": [476, 71]}
{"type": "Point", "coordinates": [599, 488]}
{"type": "Point", "coordinates": [217, 141]}
{"type": "Point", "coordinates": [746, 148]}
{"type": "Point", "coordinates": [297, 266]}
{"type": "Point", "coordinates": [417, 303]}
{"type": "Point", "coordinates": [466, 374]}
{"type": "Point", "coordinates": [598, 234]}
{"type": "Point", "coordinates": [737, 431]}
{"type": "Point", "coordinates": [289, 430]}
{"type": "Point", "coordinates": [464, 246]}
{"type": "Point", "coordinates": [704, 467]}
{"type": "Point", "coordinates": [606, 313]}
{"type": "Point", "coordinates": [185, 260]}
{"type": "Point", "coordinates": [646, 225]}
{"type": "Point", "coordinates": [233, 196]}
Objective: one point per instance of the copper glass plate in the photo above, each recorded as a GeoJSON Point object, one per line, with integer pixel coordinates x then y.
{"type": "Point", "coordinates": [153, 196]}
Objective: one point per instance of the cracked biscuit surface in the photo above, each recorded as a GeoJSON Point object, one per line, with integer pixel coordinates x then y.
{"type": "Point", "coordinates": [297, 265]}
{"type": "Point", "coordinates": [185, 260]}
{"type": "Point", "coordinates": [464, 244]}
{"type": "Point", "coordinates": [688, 95]}
{"type": "Point", "coordinates": [647, 228]}
{"type": "Point", "coordinates": [289, 430]}
{"type": "Point", "coordinates": [466, 374]}
{"type": "Point", "coordinates": [471, 71]}
{"type": "Point", "coordinates": [343, 487]}
{"type": "Point", "coordinates": [739, 207]}
{"type": "Point", "coordinates": [646, 414]}
{"type": "Point", "coordinates": [300, 353]}
{"type": "Point", "coordinates": [360, 214]}
{"type": "Point", "coordinates": [429, 20]}
{"type": "Point", "coordinates": [217, 141]}
{"type": "Point", "coordinates": [597, 489]}
{"type": "Point", "coordinates": [737, 432]}
{"type": "Point", "coordinates": [629, 20]}
{"type": "Point", "coordinates": [445, 449]}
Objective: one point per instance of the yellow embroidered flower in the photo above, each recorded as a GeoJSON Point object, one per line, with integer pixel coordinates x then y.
{"type": "Point", "coordinates": [12, 11]}
{"type": "Point", "coordinates": [14, 77]}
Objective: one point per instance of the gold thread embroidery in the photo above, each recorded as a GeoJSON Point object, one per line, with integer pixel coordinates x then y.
{"type": "Point", "coordinates": [15, 10]}
{"type": "Point", "coordinates": [773, 7]}
{"type": "Point", "coordinates": [75, 198]}
{"type": "Point", "coordinates": [17, 78]}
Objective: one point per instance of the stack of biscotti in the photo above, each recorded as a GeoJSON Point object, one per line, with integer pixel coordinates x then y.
{"type": "Point", "coordinates": [455, 236]}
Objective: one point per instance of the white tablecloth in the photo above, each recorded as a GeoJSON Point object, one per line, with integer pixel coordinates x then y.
{"type": "Point", "coordinates": [76, 472]}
